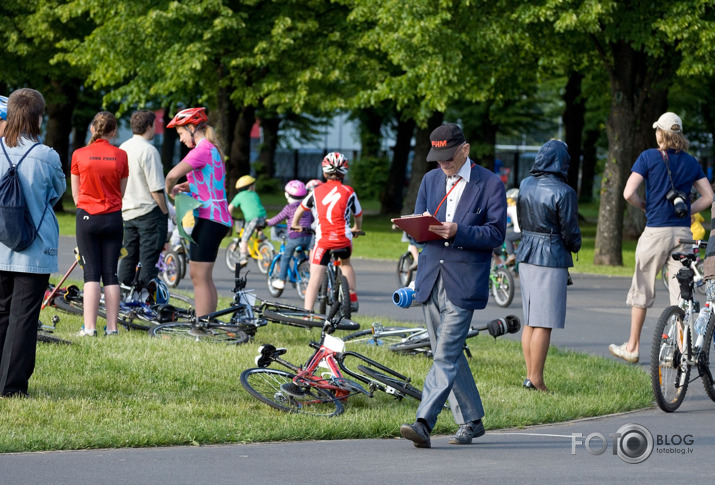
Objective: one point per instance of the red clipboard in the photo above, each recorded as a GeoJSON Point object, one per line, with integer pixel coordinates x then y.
{"type": "Point", "coordinates": [417, 227]}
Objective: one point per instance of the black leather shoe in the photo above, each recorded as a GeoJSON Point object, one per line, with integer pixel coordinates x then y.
{"type": "Point", "coordinates": [467, 432]}
{"type": "Point", "coordinates": [417, 433]}
{"type": "Point", "coordinates": [528, 384]}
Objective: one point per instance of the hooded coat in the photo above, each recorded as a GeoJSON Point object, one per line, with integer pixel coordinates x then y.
{"type": "Point", "coordinates": [547, 210]}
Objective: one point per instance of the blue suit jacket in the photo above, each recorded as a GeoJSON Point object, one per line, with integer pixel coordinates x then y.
{"type": "Point", "coordinates": [465, 260]}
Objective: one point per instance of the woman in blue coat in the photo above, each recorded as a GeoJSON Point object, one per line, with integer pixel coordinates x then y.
{"type": "Point", "coordinates": [548, 217]}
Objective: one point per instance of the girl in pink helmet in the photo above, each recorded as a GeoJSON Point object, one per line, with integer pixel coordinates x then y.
{"type": "Point", "coordinates": [205, 173]}
{"type": "Point", "coordinates": [295, 192]}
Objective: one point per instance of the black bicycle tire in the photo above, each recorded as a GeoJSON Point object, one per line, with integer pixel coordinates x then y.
{"type": "Point", "coordinates": [304, 318]}
{"type": "Point", "coordinates": [182, 298]}
{"type": "Point", "coordinates": [231, 255]}
{"type": "Point", "coordinates": [324, 297]}
{"type": "Point", "coordinates": [405, 388]}
{"type": "Point", "coordinates": [270, 252]}
{"type": "Point", "coordinates": [273, 271]}
{"type": "Point", "coordinates": [504, 302]}
{"type": "Point", "coordinates": [303, 277]}
{"type": "Point", "coordinates": [210, 333]}
{"type": "Point", "coordinates": [71, 306]}
{"type": "Point", "coordinates": [275, 376]}
{"type": "Point", "coordinates": [708, 378]}
{"type": "Point", "coordinates": [170, 256]}
{"type": "Point", "coordinates": [51, 339]}
{"type": "Point", "coordinates": [657, 371]}
{"type": "Point", "coordinates": [344, 296]}
{"type": "Point", "coordinates": [404, 274]}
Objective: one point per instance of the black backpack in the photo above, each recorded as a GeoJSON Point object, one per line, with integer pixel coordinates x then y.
{"type": "Point", "coordinates": [17, 229]}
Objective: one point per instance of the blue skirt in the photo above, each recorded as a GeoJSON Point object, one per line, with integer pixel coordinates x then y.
{"type": "Point", "coordinates": [543, 294]}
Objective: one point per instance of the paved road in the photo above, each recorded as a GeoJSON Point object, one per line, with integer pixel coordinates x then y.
{"type": "Point", "coordinates": [683, 443]}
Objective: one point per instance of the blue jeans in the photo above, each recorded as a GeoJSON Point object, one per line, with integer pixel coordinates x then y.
{"type": "Point", "coordinates": [450, 375]}
{"type": "Point", "coordinates": [291, 244]}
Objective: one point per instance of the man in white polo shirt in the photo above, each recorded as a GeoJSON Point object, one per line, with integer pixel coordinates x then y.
{"type": "Point", "coordinates": [144, 207]}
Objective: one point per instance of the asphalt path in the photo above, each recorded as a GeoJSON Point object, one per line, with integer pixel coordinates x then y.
{"type": "Point", "coordinates": [681, 444]}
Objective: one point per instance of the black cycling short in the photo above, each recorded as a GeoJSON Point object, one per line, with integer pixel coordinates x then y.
{"type": "Point", "coordinates": [321, 256]}
{"type": "Point", "coordinates": [207, 236]}
{"type": "Point", "coordinates": [99, 240]}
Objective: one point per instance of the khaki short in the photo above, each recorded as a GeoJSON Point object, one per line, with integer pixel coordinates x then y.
{"type": "Point", "coordinates": [654, 248]}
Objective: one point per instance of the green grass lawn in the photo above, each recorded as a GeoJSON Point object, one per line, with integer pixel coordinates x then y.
{"type": "Point", "coordinates": [136, 391]}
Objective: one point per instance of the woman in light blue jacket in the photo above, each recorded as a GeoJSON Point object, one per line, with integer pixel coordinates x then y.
{"type": "Point", "coordinates": [24, 274]}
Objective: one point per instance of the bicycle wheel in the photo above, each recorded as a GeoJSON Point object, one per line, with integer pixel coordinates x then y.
{"type": "Point", "coordinates": [51, 339]}
{"type": "Point", "coordinates": [669, 376]}
{"type": "Point", "coordinates": [503, 287]}
{"type": "Point", "coordinates": [395, 387]}
{"type": "Point", "coordinates": [304, 318]}
{"type": "Point", "coordinates": [220, 334]}
{"type": "Point", "coordinates": [182, 298]}
{"type": "Point", "coordinates": [343, 296]}
{"type": "Point", "coordinates": [700, 285]}
{"type": "Point", "coordinates": [705, 367]}
{"type": "Point", "coordinates": [172, 269]}
{"type": "Point", "coordinates": [72, 305]}
{"type": "Point", "coordinates": [404, 269]}
{"type": "Point", "coordinates": [267, 251]}
{"type": "Point", "coordinates": [303, 278]}
{"type": "Point", "coordinates": [276, 388]}
{"type": "Point", "coordinates": [272, 276]}
{"type": "Point", "coordinates": [232, 255]}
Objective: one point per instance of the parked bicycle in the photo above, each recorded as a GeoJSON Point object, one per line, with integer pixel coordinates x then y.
{"type": "Point", "coordinates": [406, 269]}
{"type": "Point", "coordinates": [676, 347]}
{"type": "Point", "coordinates": [325, 382]}
{"type": "Point", "coordinates": [298, 270]}
{"type": "Point", "coordinates": [259, 248]}
{"type": "Point", "coordinates": [698, 276]}
{"type": "Point", "coordinates": [172, 263]}
{"type": "Point", "coordinates": [501, 285]}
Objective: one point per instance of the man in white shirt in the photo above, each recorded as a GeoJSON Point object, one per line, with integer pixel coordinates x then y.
{"type": "Point", "coordinates": [144, 207]}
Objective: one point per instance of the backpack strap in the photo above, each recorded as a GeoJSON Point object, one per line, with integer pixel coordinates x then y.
{"type": "Point", "coordinates": [14, 167]}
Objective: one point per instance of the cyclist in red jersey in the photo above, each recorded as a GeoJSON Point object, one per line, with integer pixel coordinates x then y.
{"type": "Point", "coordinates": [334, 202]}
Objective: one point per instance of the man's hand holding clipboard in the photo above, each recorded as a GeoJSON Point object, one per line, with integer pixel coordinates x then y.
{"type": "Point", "coordinates": [425, 227]}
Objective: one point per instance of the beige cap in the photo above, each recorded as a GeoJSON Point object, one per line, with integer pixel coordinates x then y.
{"type": "Point", "coordinates": [669, 122]}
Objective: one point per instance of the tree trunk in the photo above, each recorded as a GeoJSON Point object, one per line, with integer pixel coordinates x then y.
{"type": "Point", "coordinates": [240, 157]}
{"type": "Point", "coordinates": [588, 165]}
{"type": "Point", "coordinates": [391, 197]}
{"type": "Point", "coordinates": [62, 99]}
{"type": "Point", "coordinates": [420, 166]}
{"type": "Point", "coordinates": [267, 153]}
{"type": "Point", "coordinates": [370, 130]}
{"type": "Point", "coordinates": [574, 121]}
{"type": "Point", "coordinates": [631, 82]}
{"type": "Point", "coordinates": [168, 144]}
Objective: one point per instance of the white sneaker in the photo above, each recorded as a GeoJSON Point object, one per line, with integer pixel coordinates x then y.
{"type": "Point", "coordinates": [278, 284]}
{"type": "Point", "coordinates": [621, 352]}
{"type": "Point", "coordinates": [86, 333]}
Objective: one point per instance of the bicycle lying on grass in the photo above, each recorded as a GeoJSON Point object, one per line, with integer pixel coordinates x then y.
{"type": "Point", "coordinates": [247, 313]}
{"type": "Point", "coordinates": [676, 344]}
{"type": "Point", "coordinates": [324, 383]}
{"type": "Point", "coordinates": [44, 332]}
{"type": "Point", "coordinates": [415, 340]}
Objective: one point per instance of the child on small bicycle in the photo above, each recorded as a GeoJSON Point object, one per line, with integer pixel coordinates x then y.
{"type": "Point", "coordinates": [295, 191]}
{"type": "Point", "coordinates": [334, 202]}
{"type": "Point", "coordinates": [253, 212]}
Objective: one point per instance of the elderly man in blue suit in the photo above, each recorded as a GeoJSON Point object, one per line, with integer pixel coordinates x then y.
{"type": "Point", "coordinates": [453, 278]}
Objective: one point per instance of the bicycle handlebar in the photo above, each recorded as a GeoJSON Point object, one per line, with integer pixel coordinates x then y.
{"type": "Point", "coordinates": [695, 243]}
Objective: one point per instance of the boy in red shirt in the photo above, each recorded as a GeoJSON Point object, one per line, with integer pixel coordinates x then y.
{"type": "Point", "coordinates": [334, 203]}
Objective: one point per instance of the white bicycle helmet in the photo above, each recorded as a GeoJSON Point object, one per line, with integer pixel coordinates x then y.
{"type": "Point", "coordinates": [335, 162]}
